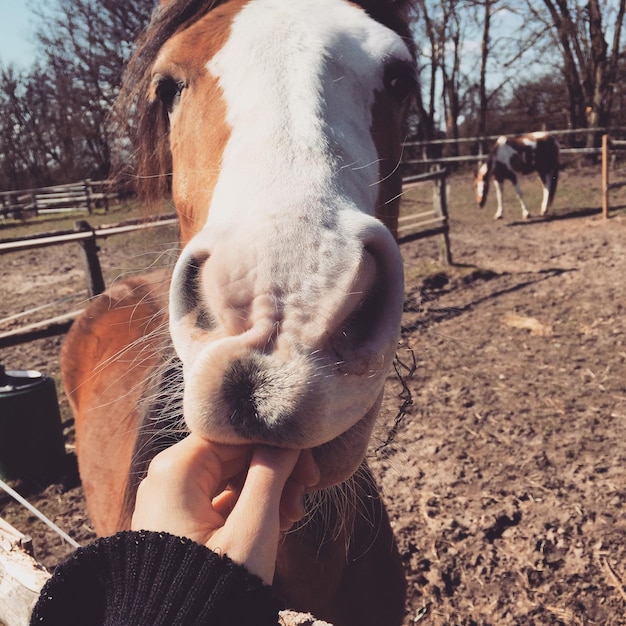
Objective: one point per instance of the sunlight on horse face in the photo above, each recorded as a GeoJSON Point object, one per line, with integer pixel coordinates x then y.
{"type": "Point", "coordinates": [286, 301]}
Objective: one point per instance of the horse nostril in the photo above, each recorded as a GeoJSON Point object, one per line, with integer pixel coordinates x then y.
{"type": "Point", "coordinates": [361, 342]}
{"type": "Point", "coordinates": [357, 330]}
{"type": "Point", "coordinates": [188, 291]}
{"type": "Point", "coordinates": [188, 294]}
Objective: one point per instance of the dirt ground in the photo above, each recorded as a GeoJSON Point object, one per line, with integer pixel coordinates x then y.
{"type": "Point", "coordinates": [505, 481]}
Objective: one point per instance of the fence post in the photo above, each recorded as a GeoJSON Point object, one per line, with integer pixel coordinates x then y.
{"type": "Point", "coordinates": [441, 206]}
{"type": "Point", "coordinates": [605, 176]}
{"type": "Point", "coordinates": [93, 270]}
{"type": "Point", "coordinates": [106, 188]}
{"type": "Point", "coordinates": [33, 197]}
{"type": "Point", "coordinates": [90, 203]}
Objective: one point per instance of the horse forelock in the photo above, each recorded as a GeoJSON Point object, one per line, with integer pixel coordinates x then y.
{"type": "Point", "coordinates": [144, 121]}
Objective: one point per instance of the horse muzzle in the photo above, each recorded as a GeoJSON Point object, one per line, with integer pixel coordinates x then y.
{"type": "Point", "coordinates": [283, 345]}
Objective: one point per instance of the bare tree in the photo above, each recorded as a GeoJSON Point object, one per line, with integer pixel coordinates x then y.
{"type": "Point", "coordinates": [472, 59]}
{"type": "Point", "coordinates": [54, 118]}
{"type": "Point", "coordinates": [589, 66]}
{"type": "Point", "coordinates": [484, 57]}
{"type": "Point", "coordinates": [450, 42]}
{"type": "Point", "coordinates": [443, 27]}
{"type": "Point", "coordinates": [86, 44]}
{"type": "Point", "coordinates": [429, 69]}
{"type": "Point", "coordinates": [29, 148]}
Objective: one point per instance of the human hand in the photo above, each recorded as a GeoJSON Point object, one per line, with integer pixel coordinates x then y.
{"type": "Point", "coordinates": [192, 490]}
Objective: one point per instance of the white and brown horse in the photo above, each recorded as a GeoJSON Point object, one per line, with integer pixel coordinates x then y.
{"type": "Point", "coordinates": [522, 154]}
{"type": "Point", "coordinates": [279, 125]}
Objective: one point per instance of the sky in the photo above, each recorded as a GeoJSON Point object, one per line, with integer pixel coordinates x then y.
{"type": "Point", "coordinates": [17, 27]}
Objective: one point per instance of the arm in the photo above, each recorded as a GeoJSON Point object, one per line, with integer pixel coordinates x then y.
{"type": "Point", "coordinates": [192, 526]}
{"type": "Point", "coordinates": [144, 578]}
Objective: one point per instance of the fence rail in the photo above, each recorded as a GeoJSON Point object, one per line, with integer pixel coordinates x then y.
{"type": "Point", "coordinates": [86, 237]}
{"type": "Point", "coordinates": [83, 235]}
{"type": "Point", "coordinates": [473, 158]}
{"type": "Point", "coordinates": [472, 149]}
{"type": "Point", "coordinates": [87, 195]}
{"type": "Point", "coordinates": [492, 138]}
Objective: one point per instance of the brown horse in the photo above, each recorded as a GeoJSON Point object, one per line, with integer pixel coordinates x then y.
{"type": "Point", "coordinates": [280, 125]}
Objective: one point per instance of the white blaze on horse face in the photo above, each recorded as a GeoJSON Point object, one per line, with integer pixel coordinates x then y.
{"type": "Point", "coordinates": [303, 93]}
{"type": "Point", "coordinates": [303, 287]}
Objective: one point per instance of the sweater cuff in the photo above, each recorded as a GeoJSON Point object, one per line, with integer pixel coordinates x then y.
{"type": "Point", "coordinates": [147, 578]}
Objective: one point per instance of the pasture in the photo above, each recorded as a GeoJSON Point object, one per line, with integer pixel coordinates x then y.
{"type": "Point", "coordinates": [505, 478]}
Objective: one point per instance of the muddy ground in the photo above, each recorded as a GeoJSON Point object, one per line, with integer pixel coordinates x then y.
{"type": "Point", "coordinates": [506, 479]}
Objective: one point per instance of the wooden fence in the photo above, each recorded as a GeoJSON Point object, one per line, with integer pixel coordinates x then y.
{"type": "Point", "coordinates": [432, 221]}
{"type": "Point", "coordinates": [479, 146]}
{"type": "Point", "coordinates": [87, 237]}
{"type": "Point", "coordinates": [425, 223]}
{"type": "Point", "coordinates": [87, 195]}
{"type": "Point", "coordinates": [21, 576]}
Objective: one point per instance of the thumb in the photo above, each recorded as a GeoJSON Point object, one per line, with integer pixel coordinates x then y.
{"type": "Point", "coordinates": [252, 530]}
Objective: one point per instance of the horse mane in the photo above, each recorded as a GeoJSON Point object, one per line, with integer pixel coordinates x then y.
{"type": "Point", "coordinates": [141, 125]}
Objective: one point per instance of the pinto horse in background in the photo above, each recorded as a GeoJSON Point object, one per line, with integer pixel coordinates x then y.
{"type": "Point", "coordinates": [278, 124]}
{"type": "Point", "coordinates": [522, 154]}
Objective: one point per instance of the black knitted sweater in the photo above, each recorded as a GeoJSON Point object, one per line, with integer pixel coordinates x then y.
{"type": "Point", "coordinates": [149, 579]}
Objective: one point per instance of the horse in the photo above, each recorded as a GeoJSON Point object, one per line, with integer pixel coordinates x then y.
{"type": "Point", "coordinates": [521, 154]}
{"type": "Point", "coordinates": [277, 128]}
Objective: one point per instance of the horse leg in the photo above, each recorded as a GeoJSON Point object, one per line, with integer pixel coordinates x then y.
{"type": "Point", "coordinates": [546, 194]}
{"type": "Point", "coordinates": [498, 185]}
{"type": "Point", "coordinates": [549, 181]}
{"type": "Point", "coordinates": [520, 197]}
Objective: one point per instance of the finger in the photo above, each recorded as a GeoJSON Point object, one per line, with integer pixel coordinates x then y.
{"type": "Point", "coordinates": [182, 480]}
{"type": "Point", "coordinates": [305, 474]}
{"type": "Point", "coordinates": [224, 502]}
{"type": "Point", "coordinates": [195, 459]}
{"type": "Point", "coordinates": [253, 538]}
{"type": "Point", "coordinates": [291, 505]}
{"type": "Point", "coordinates": [306, 471]}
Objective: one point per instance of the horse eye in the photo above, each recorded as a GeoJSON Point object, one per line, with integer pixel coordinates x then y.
{"type": "Point", "coordinates": [168, 91]}
{"type": "Point", "coordinates": [400, 80]}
